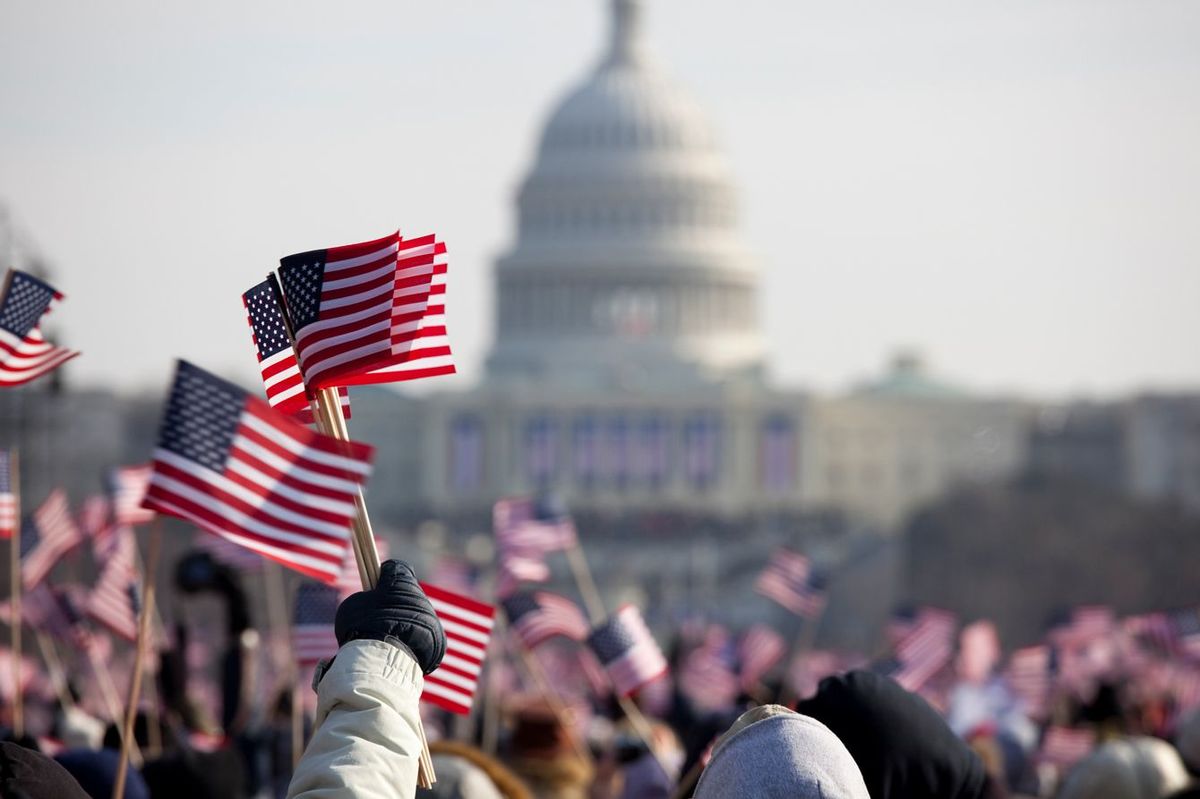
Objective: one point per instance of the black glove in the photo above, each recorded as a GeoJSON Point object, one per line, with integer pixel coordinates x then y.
{"type": "Point", "coordinates": [396, 608]}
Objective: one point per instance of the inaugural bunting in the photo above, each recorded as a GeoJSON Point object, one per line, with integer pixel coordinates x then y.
{"type": "Point", "coordinates": [228, 463]}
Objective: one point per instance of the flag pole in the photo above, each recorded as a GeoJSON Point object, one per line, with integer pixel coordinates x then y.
{"type": "Point", "coordinates": [54, 664]}
{"type": "Point", "coordinates": [14, 576]}
{"type": "Point", "coordinates": [331, 421]}
{"type": "Point", "coordinates": [135, 681]}
{"type": "Point", "coordinates": [112, 701]}
{"type": "Point", "coordinates": [587, 586]}
{"type": "Point", "coordinates": [277, 612]}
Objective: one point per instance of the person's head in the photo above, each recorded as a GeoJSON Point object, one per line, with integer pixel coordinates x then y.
{"type": "Point", "coordinates": [28, 774]}
{"type": "Point", "coordinates": [1127, 768]}
{"type": "Point", "coordinates": [775, 752]}
{"type": "Point", "coordinates": [902, 746]}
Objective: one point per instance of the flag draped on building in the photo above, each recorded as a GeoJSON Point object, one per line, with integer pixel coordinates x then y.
{"type": "Point", "coordinates": [789, 581]}
{"type": "Point", "coordinates": [24, 353]}
{"type": "Point", "coordinates": [536, 616]}
{"type": "Point", "coordinates": [370, 312]}
{"type": "Point", "coordinates": [313, 638]}
{"type": "Point", "coordinates": [47, 535]}
{"type": "Point", "coordinates": [129, 486]}
{"type": "Point", "coordinates": [627, 651]}
{"type": "Point", "coordinates": [228, 463]}
{"type": "Point", "coordinates": [468, 624]}
{"type": "Point", "coordinates": [8, 497]}
{"type": "Point", "coordinates": [116, 599]}
{"type": "Point", "coordinates": [277, 363]}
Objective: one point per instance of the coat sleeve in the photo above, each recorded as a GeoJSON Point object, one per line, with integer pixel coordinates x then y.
{"type": "Point", "coordinates": [366, 742]}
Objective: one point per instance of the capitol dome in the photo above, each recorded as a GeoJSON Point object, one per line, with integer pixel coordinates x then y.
{"type": "Point", "coordinates": [627, 268]}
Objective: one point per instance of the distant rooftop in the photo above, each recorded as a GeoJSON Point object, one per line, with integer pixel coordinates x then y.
{"type": "Point", "coordinates": [908, 377]}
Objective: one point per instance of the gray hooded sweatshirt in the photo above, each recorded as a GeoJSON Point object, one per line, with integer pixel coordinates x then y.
{"type": "Point", "coordinates": [781, 755]}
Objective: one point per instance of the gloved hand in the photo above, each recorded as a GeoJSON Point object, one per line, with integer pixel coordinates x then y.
{"type": "Point", "coordinates": [397, 608]}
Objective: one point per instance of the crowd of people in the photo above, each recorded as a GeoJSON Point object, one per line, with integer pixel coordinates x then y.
{"type": "Point", "coordinates": [1096, 711]}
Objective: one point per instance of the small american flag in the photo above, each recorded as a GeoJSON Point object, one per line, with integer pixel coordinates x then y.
{"type": "Point", "coordinates": [517, 568]}
{"type": "Point", "coordinates": [1151, 630]}
{"type": "Point", "coordinates": [1186, 626]}
{"type": "Point", "coordinates": [1088, 623]}
{"type": "Point", "coordinates": [528, 526]}
{"type": "Point", "coordinates": [116, 600]}
{"type": "Point", "coordinates": [536, 616]}
{"type": "Point", "coordinates": [229, 464]}
{"type": "Point", "coordinates": [925, 649]}
{"type": "Point", "coordinates": [760, 650]}
{"type": "Point", "coordinates": [454, 574]}
{"type": "Point", "coordinates": [313, 638]}
{"type": "Point", "coordinates": [24, 354]}
{"type": "Point", "coordinates": [277, 358]}
{"type": "Point", "coordinates": [94, 522]}
{"type": "Point", "coordinates": [46, 536]}
{"type": "Point", "coordinates": [788, 580]}
{"type": "Point", "coordinates": [627, 651]}
{"type": "Point", "coordinates": [1064, 746]}
{"type": "Point", "coordinates": [369, 313]}
{"type": "Point", "coordinates": [707, 675]}
{"type": "Point", "coordinates": [129, 485]}
{"type": "Point", "coordinates": [468, 624]}
{"type": "Point", "coordinates": [8, 497]}
{"type": "Point", "coordinates": [1031, 677]}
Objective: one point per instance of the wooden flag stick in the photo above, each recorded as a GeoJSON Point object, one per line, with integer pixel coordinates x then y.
{"type": "Point", "coordinates": [644, 731]}
{"type": "Point", "coordinates": [143, 634]}
{"type": "Point", "coordinates": [14, 576]}
{"type": "Point", "coordinates": [54, 664]}
{"type": "Point", "coordinates": [108, 690]}
{"type": "Point", "coordinates": [329, 404]}
{"type": "Point", "coordinates": [587, 586]}
{"type": "Point", "coordinates": [331, 421]}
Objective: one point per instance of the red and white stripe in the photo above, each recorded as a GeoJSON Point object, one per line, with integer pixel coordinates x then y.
{"type": "Point", "coordinates": [286, 492]}
{"type": "Point", "coordinates": [1064, 746]}
{"type": "Point", "coordinates": [110, 602]}
{"type": "Point", "coordinates": [312, 643]}
{"type": "Point", "coordinates": [28, 358]}
{"type": "Point", "coordinates": [760, 650]}
{"type": "Point", "coordinates": [57, 535]}
{"type": "Point", "coordinates": [129, 489]}
{"type": "Point", "coordinates": [468, 624]}
{"type": "Point", "coordinates": [420, 345]}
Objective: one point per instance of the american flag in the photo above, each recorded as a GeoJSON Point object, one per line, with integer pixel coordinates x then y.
{"type": "Point", "coordinates": [129, 485]}
{"type": "Point", "coordinates": [313, 638]}
{"type": "Point", "coordinates": [350, 581]}
{"type": "Point", "coordinates": [1152, 630]}
{"type": "Point", "coordinates": [536, 616]}
{"type": "Point", "coordinates": [46, 536]}
{"type": "Point", "coordinates": [454, 574]}
{"type": "Point", "coordinates": [627, 651]}
{"type": "Point", "coordinates": [370, 312]}
{"type": "Point", "coordinates": [517, 568]}
{"type": "Point", "coordinates": [1088, 623]}
{"type": "Point", "coordinates": [468, 624]}
{"type": "Point", "coordinates": [24, 354]}
{"type": "Point", "coordinates": [924, 649]}
{"type": "Point", "coordinates": [116, 600]}
{"type": "Point", "coordinates": [1065, 746]}
{"type": "Point", "coordinates": [229, 464]}
{"type": "Point", "coordinates": [1030, 673]}
{"type": "Point", "coordinates": [707, 676]}
{"type": "Point", "coordinates": [1186, 626]}
{"type": "Point", "coordinates": [277, 358]}
{"type": "Point", "coordinates": [761, 648]}
{"type": "Point", "coordinates": [808, 669]}
{"type": "Point", "coordinates": [8, 497]}
{"type": "Point", "coordinates": [788, 580]}
{"type": "Point", "coordinates": [531, 526]}
{"type": "Point", "coordinates": [94, 522]}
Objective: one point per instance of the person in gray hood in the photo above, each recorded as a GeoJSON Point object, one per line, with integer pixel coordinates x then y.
{"type": "Point", "coordinates": [771, 752]}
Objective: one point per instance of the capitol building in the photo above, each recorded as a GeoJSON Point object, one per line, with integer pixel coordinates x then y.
{"type": "Point", "coordinates": [628, 371]}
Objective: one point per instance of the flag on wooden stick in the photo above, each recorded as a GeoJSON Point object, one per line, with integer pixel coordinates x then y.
{"type": "Point", "coordinates": [24, 353]}
{"type": "Point", "coordinates": [277, 357]}
{"type": "Point", "coordinates": [129, 485]}
{"type": "Point", "coordinates": [313, 637]}
{"type": "Point", "coordinates": [45, 537]}
{"type": "Point", "coordinates": [537, 616]}
{"type": "Point", "coordinates": [370, 312]}
{"type": "Point", "coordinates": [116, 599]}
{"type": "Point", "coordinates": [8, 497]}
{"type": "Point", "coordinates": [468, 624]}
{"type": "Point", "coordinates": [229, 463]}
{"type": "Point", "coordinates": [627, 651]}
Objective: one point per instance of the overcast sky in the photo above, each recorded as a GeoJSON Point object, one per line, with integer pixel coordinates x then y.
{"type": "Point", "coordinates": [1012, 188]}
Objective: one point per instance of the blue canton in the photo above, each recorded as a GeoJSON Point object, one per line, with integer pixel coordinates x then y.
{"type": "Point", "coordinates": [30, 536]}
{"type": "Point", "coordinates": [610, 640]}
{"type": "Point", "coordinates": [303, 275]}
{"type": "Point", "coordinates": [202, 417]}
{"type": "Point", "coordinates": [27, 299]}
{"type": "Point", "coordinates": [267, 319]}
{"type": "Point", "coordinates": [519, 605]}
{"type": "Point", "coordinates": [5, 473]}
